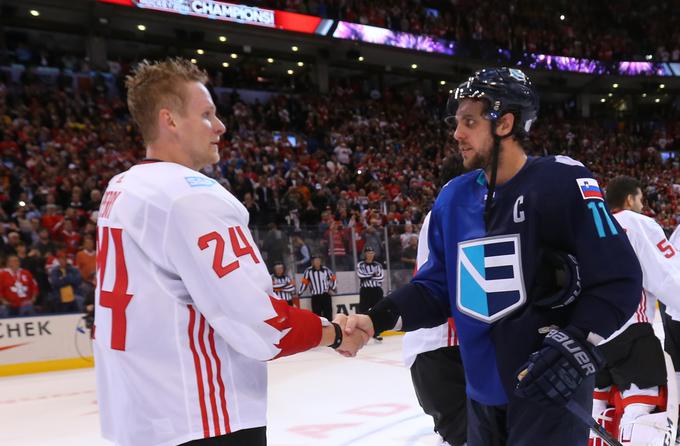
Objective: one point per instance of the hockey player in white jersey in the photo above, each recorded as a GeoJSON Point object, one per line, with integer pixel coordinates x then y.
{"type": "Point", "coordinates": [433, 354]}
{"type": "Point", "coordinates": [635, 379]}
{"type": "Point", "coordinates": [675, 237]}
{"type": "Point", "coordinates": [185, 313]}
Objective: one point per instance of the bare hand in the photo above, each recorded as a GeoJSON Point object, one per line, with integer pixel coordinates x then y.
{"type": "Point", "coordinates": [351, 342]}
{"type": "Point", "coordinates": [360, 322]}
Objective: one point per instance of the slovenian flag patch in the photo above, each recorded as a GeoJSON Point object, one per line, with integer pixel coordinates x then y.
{"type": "Point", "coordinates": [589, 189]}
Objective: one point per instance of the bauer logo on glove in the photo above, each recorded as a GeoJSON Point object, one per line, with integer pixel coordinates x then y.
{"type": "Point", "coordinates": [572, 347]}
{"type": "Point", "coordinates": [553, 374]}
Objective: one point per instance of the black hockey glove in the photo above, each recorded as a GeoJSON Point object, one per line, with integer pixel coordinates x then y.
{"type": "Point", "coordinates": [552, 374]}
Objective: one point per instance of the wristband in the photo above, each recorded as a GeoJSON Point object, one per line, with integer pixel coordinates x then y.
{"type": "Point", "coordinates": [338, 336]}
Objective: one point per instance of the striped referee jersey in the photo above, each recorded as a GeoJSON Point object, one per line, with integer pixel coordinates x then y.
{"type": "Point", "coordinates": [370, 274]}
{"type": "Point", "coordinates": [318, 281]}
{"type": "Point", "coordinates": [284, 286]}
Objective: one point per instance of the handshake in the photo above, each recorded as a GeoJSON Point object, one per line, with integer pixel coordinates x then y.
{"type": "Point", "coordinates": [357, 330]}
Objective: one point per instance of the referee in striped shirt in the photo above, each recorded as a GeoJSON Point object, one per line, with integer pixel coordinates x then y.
{"type": "Point", "coordinates": [284, 286]}
{"type": "Point", "coordinates": [320, 280]}
{"type": "Point", "coordinates": [371, 278]}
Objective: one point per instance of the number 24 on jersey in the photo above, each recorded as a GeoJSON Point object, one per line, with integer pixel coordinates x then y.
{"type": "Point", "coordinates": [118, 298]}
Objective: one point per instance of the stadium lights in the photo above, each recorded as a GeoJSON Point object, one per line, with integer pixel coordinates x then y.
{"type": "Point", "coordinates": [414, 66]}
{"type": "Point", "coordinates": [657, 100]}
{"type": "Point", "coordinates": [603, 100]}
{"type": "Point", "coordinates": [225, 64]}
{"type": "Point", "coordinates": [450, 91]}
{"type": "Point", "coordinates": [290, 72]}
{"type": "Point", "coordinates": [562, 17]}
{"type": "Point", "coordinates": [300, 64]}
{"type": "Point", "coordinates": [442, 82]}
{"type": "Point", "coordinates": [200, 52]}
{"type": "Point", "coordinates": [294, 48]}
{"type": "Point", "coordinates": [194, 61]}
{"type": "Point", "coordinates": [649, 57]}
{"type": "Point", "coordinates": [34, 12]}
{"type": "Point", "coordinates": [141, 27]}
{"type": "Point", "coordinates": [644, 95]}
{"type": "Point", "coordinates": [615, 85]}
{"type": "Point", "coordinates": [223, 39]}
{"type": "Point", "coordinates": [610, 94]}
{"type": "Point", "coordinates": [361, 58]}
{"type": "Point", "coordinates": [234, 55]}
{"type": "Point", "coordinates": [662, 86]}
{"type": "Point", "coordinates": [270, 60]}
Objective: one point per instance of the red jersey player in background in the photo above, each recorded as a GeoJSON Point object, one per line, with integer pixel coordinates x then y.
{"type": "Point", "coordinates": [185, 313]}
{"type": "Point", "coordinates": [18, 288]}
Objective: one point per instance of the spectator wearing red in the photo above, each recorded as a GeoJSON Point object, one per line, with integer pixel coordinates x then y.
{"type": "Point", "coordinates": [18, 288]}
{"type": "Point", "coordinates": [66, 234]}
{"type": "Point", "coordinates": [51, 218]}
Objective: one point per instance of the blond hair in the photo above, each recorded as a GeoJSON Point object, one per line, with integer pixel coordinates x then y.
{"type": "Point", "coordinates": [156, 85]}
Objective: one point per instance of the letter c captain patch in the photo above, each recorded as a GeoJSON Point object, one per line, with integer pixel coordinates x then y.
{"type": "Point", "coordinates": [490, 281]}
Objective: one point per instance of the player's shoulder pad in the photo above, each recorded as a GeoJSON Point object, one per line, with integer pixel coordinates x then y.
{"type": "Point", "coordinates": [456, 185]}
{"type": "Point", "coordinates": [645, 222]}
{"type": "Point", "coordinates": [562, 165]}
{"type": "Point", "coordinates": [461, 179]}
{"type": "Point", "coordinates": [563, 173]}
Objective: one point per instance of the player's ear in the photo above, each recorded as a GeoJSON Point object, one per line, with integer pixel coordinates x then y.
{"type": "Point", "coordinates": [166, 119]}
{"type": "Point", "coordinates": [505, 124]}
{"type": "Point", "coordinates": [630, 199]}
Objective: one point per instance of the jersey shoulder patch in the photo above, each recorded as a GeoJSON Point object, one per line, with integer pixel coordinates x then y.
{"type": "Point", "coordinates": [589, 189]}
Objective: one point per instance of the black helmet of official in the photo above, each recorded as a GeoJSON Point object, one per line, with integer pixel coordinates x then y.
{"type": "Point", "coordinates": [506, 90]}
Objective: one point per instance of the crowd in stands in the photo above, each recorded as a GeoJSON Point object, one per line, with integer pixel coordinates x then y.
{"type": "Point", "coordinates": [316, 172]}
{"type": "Point", "coordinates": [593, 30]}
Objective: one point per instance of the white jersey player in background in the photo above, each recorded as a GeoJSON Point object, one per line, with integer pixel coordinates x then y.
{"type": "Point", "coordinates": [635, 361]}
{"type": "Point", "coordinates": [185, 313]}
{"type": "Point", "coordinates": [433, 354]}
{"type": "Point", "coordinates": [675, 237]}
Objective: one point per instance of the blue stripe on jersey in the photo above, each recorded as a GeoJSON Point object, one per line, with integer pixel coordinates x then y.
{"type": "Point", "coordinates": [476, 256]}
{"type": "Point", "coordinates": [499, 249]}
{"type": "Point", "coordinates": [472, 296]}
{"type": "Point", "coordinates": [499, 272]}
{"type": "Point", "coordinates": [501, 300]}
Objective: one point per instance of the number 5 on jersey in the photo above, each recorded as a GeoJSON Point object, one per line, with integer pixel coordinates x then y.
{"type": "Point", "coordinates": [118, 298]}
{"type": "Point", "coordinates": [235, 233]}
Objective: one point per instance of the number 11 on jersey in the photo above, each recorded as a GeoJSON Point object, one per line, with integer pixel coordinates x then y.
{"type": "Point", "coordinates": [599, 225]}
{"type": "Point", "coordinates": [118, 298]}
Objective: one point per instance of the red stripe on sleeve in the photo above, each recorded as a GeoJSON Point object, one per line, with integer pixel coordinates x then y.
{"type": "Point", "coordinates": [223, 399]}
{"type": "Point", "coordinates": [199, 374]}
{"type": "Point", "coordinates": [305, 328]}
{"type": "Point", "coordinates": [211, 385]}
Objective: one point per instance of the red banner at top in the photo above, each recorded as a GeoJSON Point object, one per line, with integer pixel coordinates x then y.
{"type": "Point", "coordinates": [230, 12]}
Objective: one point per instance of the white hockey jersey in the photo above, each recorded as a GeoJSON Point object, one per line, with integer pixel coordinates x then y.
{"type": "Point", "coordinates": [184, 316]}
{"type": "Point", "coordinates": [675, 238]}
{"type": "Point", "coordinates": [660, 267]}
{"type": "Point", "coordinates": [426, 339]}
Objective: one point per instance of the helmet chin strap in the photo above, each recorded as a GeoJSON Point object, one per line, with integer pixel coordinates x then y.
{"type": "Point", "coordinates": [495, 154]}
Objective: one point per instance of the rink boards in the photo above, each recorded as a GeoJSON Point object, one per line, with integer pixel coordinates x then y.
{"type": "Point", "coordinates": [44, 343]}
{"type": "Point", "coordinates": [61, 342]}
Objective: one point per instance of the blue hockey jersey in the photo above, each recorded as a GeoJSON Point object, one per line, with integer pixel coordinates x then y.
{"type": "Point", "coordinates": [483, 273]}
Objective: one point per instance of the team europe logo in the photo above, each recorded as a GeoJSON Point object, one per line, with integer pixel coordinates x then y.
{"type": "Point", "coordinates": [490, 281]}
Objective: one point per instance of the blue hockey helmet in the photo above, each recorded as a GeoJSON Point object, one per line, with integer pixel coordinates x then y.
{"type": "Point", "coordinates": [506, 90]}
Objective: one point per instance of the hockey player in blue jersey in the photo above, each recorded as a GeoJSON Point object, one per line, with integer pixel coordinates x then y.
{"type": "Point", "coordinates": [525, 353]}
